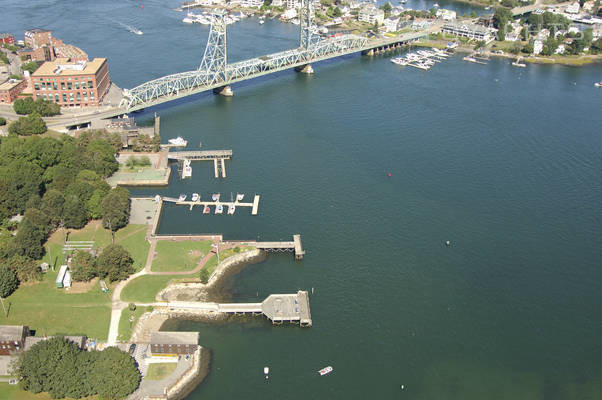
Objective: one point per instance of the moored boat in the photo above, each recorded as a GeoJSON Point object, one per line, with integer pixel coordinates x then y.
{"type": "Point", "coordinates": [231, 209]}
{"type": "Point", "coordinates": [195, 197]}
{"type": "Point", "coordinates": [206, 210]}
{"type": "Point", "coordinates": [239, 196]}
{"type": "Point", "coordinates": [178, 141]}
{"type": "Point", "coordinates": [215, 196]}
{"type": "Point", "coordinates": [219, 209]}
{"type": "Point", "coordinates": [326, 370]}
{"type": "Point", "coordinates": [598, 84]}
{"type": "Point", "coordinates": [182, 197]}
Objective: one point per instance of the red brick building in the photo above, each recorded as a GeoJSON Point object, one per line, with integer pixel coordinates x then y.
{"type": "Point", "coordinates": [72, 84]}
{"type": "Point", "coordinates": [7, 38]}
{"type": "Point", "coordinates": [9, 90]}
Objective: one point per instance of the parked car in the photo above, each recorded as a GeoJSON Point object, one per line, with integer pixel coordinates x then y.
{"type": "Point", "coordinates": [132, 348]}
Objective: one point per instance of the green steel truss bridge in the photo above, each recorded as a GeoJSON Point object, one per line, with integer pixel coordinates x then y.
{"type": "Point", "coordinates": [215, 73]}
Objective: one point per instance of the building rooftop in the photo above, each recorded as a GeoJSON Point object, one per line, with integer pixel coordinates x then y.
{"type": "Point", "coordinates": [8, 85]}
{"type": "Point", "coordinates": [11, 332]}
{"type": "Point", "coordinates": [62, 67]}
{"type": "Point", "coordinates": [80, 341]}
{"type": "Point", "coordinates": [174, 338]}
{"type": "Point", "coordinates": [5, 35]}
{"type": "Point", "coordinates": [37, 30]}
{"type": "Point", "coordinates": [465, 26]}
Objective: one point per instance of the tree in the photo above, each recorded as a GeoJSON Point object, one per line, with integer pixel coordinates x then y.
{"type": "Point", "coordinates": [29, 240]}
{"type": "Point", "coordinates": [83, 266]}
{"type": "Point", "coordinates": [26, 269]}
{"type": "Point", "coordinates": [501, 18]}
{"type": "Point", "coordinates": [8, 284]}
{"type": "Point", "coordinates": [23, 106]}
{"type": "Point", "coordinates": [30, 66]}
{"type": "Point", "coordinates": [74, 212]}
{"type": "Point", "coordinates": [337, 12]}
{"type": "Point", "coordinates": [116, 209]}
{"type": "Point", "coordinates": [33, 124]}
{"type": "Point", "coordinates": [2, 121]}
{"type": "Point", "coordinates": [204, 275]}
{"type": "Point", "coordinates": [516, 47]}
{"type": "Point", "coordinates": [114, 263]}
{"type": "Point", "coordinates": [52, 204]}
{"type": "Point", "coordinates": [115, 374]}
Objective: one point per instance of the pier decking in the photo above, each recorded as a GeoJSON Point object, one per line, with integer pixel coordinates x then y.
{"type": "Point", "coordinates": [199, 155]}
{"type": "Point", "coordinates": [294, 246]}
{"type": "Point", "coordinates": [278, 308]}
{"type": "Point", "coordinates": [254, 205]}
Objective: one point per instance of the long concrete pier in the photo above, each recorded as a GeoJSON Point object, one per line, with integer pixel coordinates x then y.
{"type": "Point", "coordinates": [278, 308]}
{"type": "Point", "coordinates": [199, 155]}
{"type": "Point", "coordinates": [254, 205]}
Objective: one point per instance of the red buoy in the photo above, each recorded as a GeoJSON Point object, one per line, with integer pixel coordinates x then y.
{"type": "Point", "coordinates": [389, 174]}
{"type": "Point", "coordinates": [141, 5]}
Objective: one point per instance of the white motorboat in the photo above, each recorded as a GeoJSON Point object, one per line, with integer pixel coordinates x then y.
{"type": "Point", "coordinates": [178, 141]}
{"type": "Point", "coordinates": [219, 209]}
{"type": "Point", "coordinates": [399, 61]}
{"type": "Point", "coordinates": [261, 22]}
{"type": "Point", "coordinates": [231, 209]}
{"type": "Point", "coordinates": [182, 197]}
{"type": "Point", "coordinates": [195, 197]}
{"type": "Point", "coordinates": [266, 370]}
{"type": "Point", "coordinates": [325, 371]}
{"type": "Point", "coordinates": [436, 5]}
{"type": "Point", "coordinates": [215, 196]}
{"type": "Point", "coordinates": [239, 196]}
{"type": "Point", "coordinates": [598, 84]}
{"type": "Point", "coordinates": [517, 63]}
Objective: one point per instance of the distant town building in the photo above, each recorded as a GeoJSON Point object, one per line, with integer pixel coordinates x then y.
{"type": "Point", "coordinates": [471, 31]}
{"type": "Point", "coordinates": [370, 14]}
{"type": "Point", "coordinates": [277, 3]}
{"type": "Point", "coordinates": [291, 4]}
{"type": "Point", "coordinates": [173, 344]}
{"type": "Point", "coordinates": [573, 8]}
{"type": "Point", "coordinates": [41, 46]}
{"type": "Point", "coordinates": [251, 3]}
{"type": "Point", "coordinates": [289, 14]}
{"type": "Point", "coordinates": [391, 24]}
{"type": "Point", "coordinates": [560, 49]}
{"type": "Point", "coordinates": [512, 36]}
{"type": "Point", "coordinates": [9, 90]}
{"type": "Point", "coordinates": [72, 84]}
{"type": "Point", "coordinates": [537, 46]}
{"type": "Point", "coordinates": [12, 338]}
{"type": "Point", "coordinates": [446, 15]}
{"type": "Point", "coordinates": [35, 38]}
{"type": "Point", "coordinates": [7, 38]}
{"type": "Point", "coordinates": [41, 54]}
{"type": "Point", "coordinates": [420, 24]}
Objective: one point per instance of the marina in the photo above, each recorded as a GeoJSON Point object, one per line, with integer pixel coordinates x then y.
{"type": "Point", "coordinates": [216, 202]}
{"type": "Point", "coordinates": [184, 159]}
{"type": "Point", "coordinates": [421, 59]}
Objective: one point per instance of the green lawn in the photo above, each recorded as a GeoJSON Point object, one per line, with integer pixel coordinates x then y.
{"type": "Point", "coordinates": [179, 256]}
{"type": "Point", "coordinates": [125, 328]}
{"type": "Point", "coordinates": [144, 288]}
{"type": "Point", "coordinates": [158, 371]}
{"type": "Point", "coordinates": [53, 311]}
{"type": "Point", "coordinates": [12, 392]}
{"type": "Point", "coordinates": [133, 238]}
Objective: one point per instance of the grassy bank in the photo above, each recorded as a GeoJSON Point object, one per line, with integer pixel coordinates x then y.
{"type": "Point", "coordinates": [144, 288]}
{"type": "Point", "coordinates": [179, 256]}
{"type": "Point", "coordinates": [159, 371]}
{"type": "Point", "coordinates": [125, 327]}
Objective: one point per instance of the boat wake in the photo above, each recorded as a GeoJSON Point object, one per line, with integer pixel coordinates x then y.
{"type": "Point", "coordinates": [131, 29]}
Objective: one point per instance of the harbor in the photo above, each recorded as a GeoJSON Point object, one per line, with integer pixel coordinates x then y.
{"type": "Point", "coordinates": [215, 202]}
{"type": "Point", "coordinates": [421, 59]}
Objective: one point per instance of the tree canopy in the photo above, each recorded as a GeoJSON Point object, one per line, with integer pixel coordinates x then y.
{"type": "Point", "coordinates": [33, 124]}
{"type": "Point", "coordinates": [45, 108]}
{"type": "Point", "coordinates": [8, 282]}
{"type": "Point", "coordinates": [115, 263]}
{"type": "Point", "coordinates": [116, 208]}
{"type": "Point", "coordinates": [59, 367]}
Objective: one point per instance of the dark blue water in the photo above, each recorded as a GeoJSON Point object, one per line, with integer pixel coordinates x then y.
{"type": "Point", "coordinates": [503, 162]}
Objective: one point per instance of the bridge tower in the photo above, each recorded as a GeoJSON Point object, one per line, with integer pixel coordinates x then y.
{"type": "Point", "coordinates": [307, 38]}
{"type": "Point", "coordinates": [215, 58]}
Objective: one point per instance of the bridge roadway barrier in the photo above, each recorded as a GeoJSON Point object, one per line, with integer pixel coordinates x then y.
{"type": "Point", "coordinates": [278, 308]}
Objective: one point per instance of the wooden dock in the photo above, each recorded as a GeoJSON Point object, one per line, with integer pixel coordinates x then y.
{"type": "Point", "coordinates": [199, 155]}
{"type": "Point", "coordinates": [254, 205]}
{"type": "Point", "coordinates": [294, 246]}
{"type": "Point", "coordinates": [278, 308]}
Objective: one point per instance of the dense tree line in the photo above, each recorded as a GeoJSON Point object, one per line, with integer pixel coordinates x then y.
{"type": "Point", "coordinates": [59, 367]}
{"type": "Point", "coordinates": [45, 108]}
{"type": "Point", "coordinates": [52, 183]}
{"type": "Point", "coordinates": [114, 264]}
{"type": "Point", "coordinates": [30, 125]}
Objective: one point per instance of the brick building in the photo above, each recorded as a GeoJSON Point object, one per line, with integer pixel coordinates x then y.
{"type": "Point", "coordinates": [35, 38]}
{"type": "Point", "coordinates": [72, 84]}
{"type": "Point", "coordinates": [173, 344]}
{"type": "Point", "coordinates": [9, 90]}
{"type": "Point", "coordinates": [7, 38]}
{"type": "Point", "coordinates": [12, 338]}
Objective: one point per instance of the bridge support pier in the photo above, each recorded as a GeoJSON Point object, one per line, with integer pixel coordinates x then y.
{"type": "Point", "coordinates": [224, 91]}
{"type": "Point", "coordinates": [305, 69]}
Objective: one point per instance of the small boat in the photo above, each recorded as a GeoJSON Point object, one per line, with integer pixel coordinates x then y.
{"type": "Point", "coordinates": [261, 22]}
{"type": "Point", "coordinates": [598, 84]}
{"type": "Point", "coordinates": [206, 210]}
{"type": "Point", "coordinates": [517, 63]}
{"type": "Point", "coordinates": [219, 209]}
{"type": "Point", "coordinates": [231, 209]}
{"type": "Point", "coordinates": [182, 197]}
{"type": "Point", "coordinates": [215, 196]}
{"type": "Point", "coordinates": [436, 5]}
{"type": "Point", "coordinates": [239, 196]}
{"type": "Point", "coordinates": [325, 371]}
{"type": "Point", "coordinates": [266, 370]}
{"type": "Point", "coordinates": [488, 8]}
{"type": "Point", "coordinates": [178, 141]}
{"type": "Point", "coordinates": [195, 197]}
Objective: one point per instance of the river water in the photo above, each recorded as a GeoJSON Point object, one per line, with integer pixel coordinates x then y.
{"type": "Point", "coordinates": [503, 162]}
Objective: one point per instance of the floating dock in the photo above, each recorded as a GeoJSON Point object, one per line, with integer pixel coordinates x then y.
{"type": "Point", "coordinates": [278, 308]}
{"type": "Point", "coordinates": [294, 246]}
{"type": "Point", "coordinates": [219, 158]}
{"type": "Point", "coordinates": [254, 205]}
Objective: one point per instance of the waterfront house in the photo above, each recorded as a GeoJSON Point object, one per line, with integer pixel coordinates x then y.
{"type": "Point", "coordinates": [512, 37]}
{"type": "Point", "coordinates": [573, 8]}
{"type": "Point", "coordinates": [471, 31]}
{"type": "Point", "coordinates": [173, 344]}
{"type": "Point", "coordinates": [391, 24]}
{"type": "Point", "coordinates": [560, 49]}
{"type": "Point", "coordinates": [7, 38]}
{"type": "Point", "coordinates": [12, 338]}
{"type": "Point", "coordinates": [537, 46]}
{"type": "Point", "coordinates": [446, 15]}
{"type": "Point", "coordinates": [9, 90]}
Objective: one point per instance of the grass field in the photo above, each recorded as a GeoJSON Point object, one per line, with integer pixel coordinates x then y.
{"type": "Point", "coordinates": [12, 392]}
{"type": "Point", "coordinates": [125, 328]}
{"type": "Point", "coordinates": [144, 288]}
{"type": "Point", "coordinates": [179, 256]}
{"type": "Point", "coordinates": [52, 311]}
{"type": "Point", "coordinates": [158, 371]}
